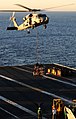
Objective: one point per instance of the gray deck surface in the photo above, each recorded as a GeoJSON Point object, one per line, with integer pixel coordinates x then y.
{"type": "Point", "coordinates": [21, 92]}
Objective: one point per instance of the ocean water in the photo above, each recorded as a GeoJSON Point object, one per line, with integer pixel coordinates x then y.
{"type": "Point", "coordinates": [55, 44]}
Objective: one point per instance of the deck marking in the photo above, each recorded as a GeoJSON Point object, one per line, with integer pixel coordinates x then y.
{"type": "Point", "coordinates": [22, 69]}
{"type": "Point", "coordinates": [9, 113]}
{"type": "Point", "coordinates": [19, 106]}
{"type": "Point", "coordinates": [71, 84]}
{"type": "Point", "coordinates": [38, 90]}
{"type": "Point", "coordinates": [65, 66]}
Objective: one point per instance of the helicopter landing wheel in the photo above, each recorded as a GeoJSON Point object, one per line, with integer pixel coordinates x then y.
{"type": "Point", "coordinates": [28, 31]}
{"type": "Point", "coordinates": [45, 26]}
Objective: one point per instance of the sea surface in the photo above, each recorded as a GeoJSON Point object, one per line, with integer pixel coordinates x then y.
{"type": "Point", "coordinates": [55, 44]}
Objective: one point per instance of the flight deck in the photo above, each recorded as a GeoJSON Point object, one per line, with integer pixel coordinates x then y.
{"type": "Point", "coordinates": [21, 92]}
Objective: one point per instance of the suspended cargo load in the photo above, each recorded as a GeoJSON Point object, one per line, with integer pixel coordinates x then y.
{"type": "Point", "coordinates": [38, 69]}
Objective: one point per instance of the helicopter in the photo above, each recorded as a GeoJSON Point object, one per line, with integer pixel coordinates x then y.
{"type": "Point", "coordinates": [31, 20]}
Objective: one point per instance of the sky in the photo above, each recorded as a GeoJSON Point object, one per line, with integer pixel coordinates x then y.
{"type": "Point", "coordinates": [10, 4]}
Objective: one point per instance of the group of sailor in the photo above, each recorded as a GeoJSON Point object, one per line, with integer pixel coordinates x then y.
{"type": "Point", "coordinates": [59, 111]}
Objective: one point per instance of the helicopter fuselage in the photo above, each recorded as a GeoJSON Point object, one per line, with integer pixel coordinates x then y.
{"type": "Point", "coordinates": [31, 21]}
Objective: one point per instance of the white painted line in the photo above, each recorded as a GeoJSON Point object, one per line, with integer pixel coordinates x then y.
{"type": "Point", "coordinates": [71, 84]}
{"type": "Point", "coordinates": [9, 113]}
{"type": "Point", "coordinates": [65, 66]}
{"type": "Point", "coordinates": [31, 68]}
{"type": "Point", "coordinates": [38, 90]}
{"type": "Point", "coordinates": [22, 69]}
{"type": "Point", "coordinates": [18, 106]}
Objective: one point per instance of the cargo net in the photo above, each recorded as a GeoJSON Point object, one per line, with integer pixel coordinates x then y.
{"type": "Point", "coordinates": [38, 70]}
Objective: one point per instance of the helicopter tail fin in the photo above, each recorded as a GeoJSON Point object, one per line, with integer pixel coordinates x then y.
{"type": "Point", "coordinates": [14, 20]}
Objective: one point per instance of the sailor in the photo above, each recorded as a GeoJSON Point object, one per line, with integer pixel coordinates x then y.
{"type": "Point", "coordinates": [53, 112]}
{"type": "Point", "coordinates": [39, 112]}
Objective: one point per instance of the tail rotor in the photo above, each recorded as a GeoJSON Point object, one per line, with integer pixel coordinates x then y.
{"type": "Point", "coordinates": [13, 16]}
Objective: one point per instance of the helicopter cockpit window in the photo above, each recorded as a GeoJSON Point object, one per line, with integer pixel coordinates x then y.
{"type": "Point", "coordinates": [24, 18]}
{"type": "Point", "coordinates": [30, 15]}
{"type": "Point", "coordinates": [39, 15]}
{"type": "Point", "coordinates": [42, 16]}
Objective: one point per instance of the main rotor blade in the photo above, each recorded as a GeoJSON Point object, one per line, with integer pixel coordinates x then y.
{"type": "Point", "coordinates": [30, 10]}
{"type": "Point", "coordinates": [59, 6]}
{"type": "Point", "coordinates": [13, 11]}
{"type": "Point", "coordinates": [34, 10]}
{"type": "Point", "coordinates": [23, 7]}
